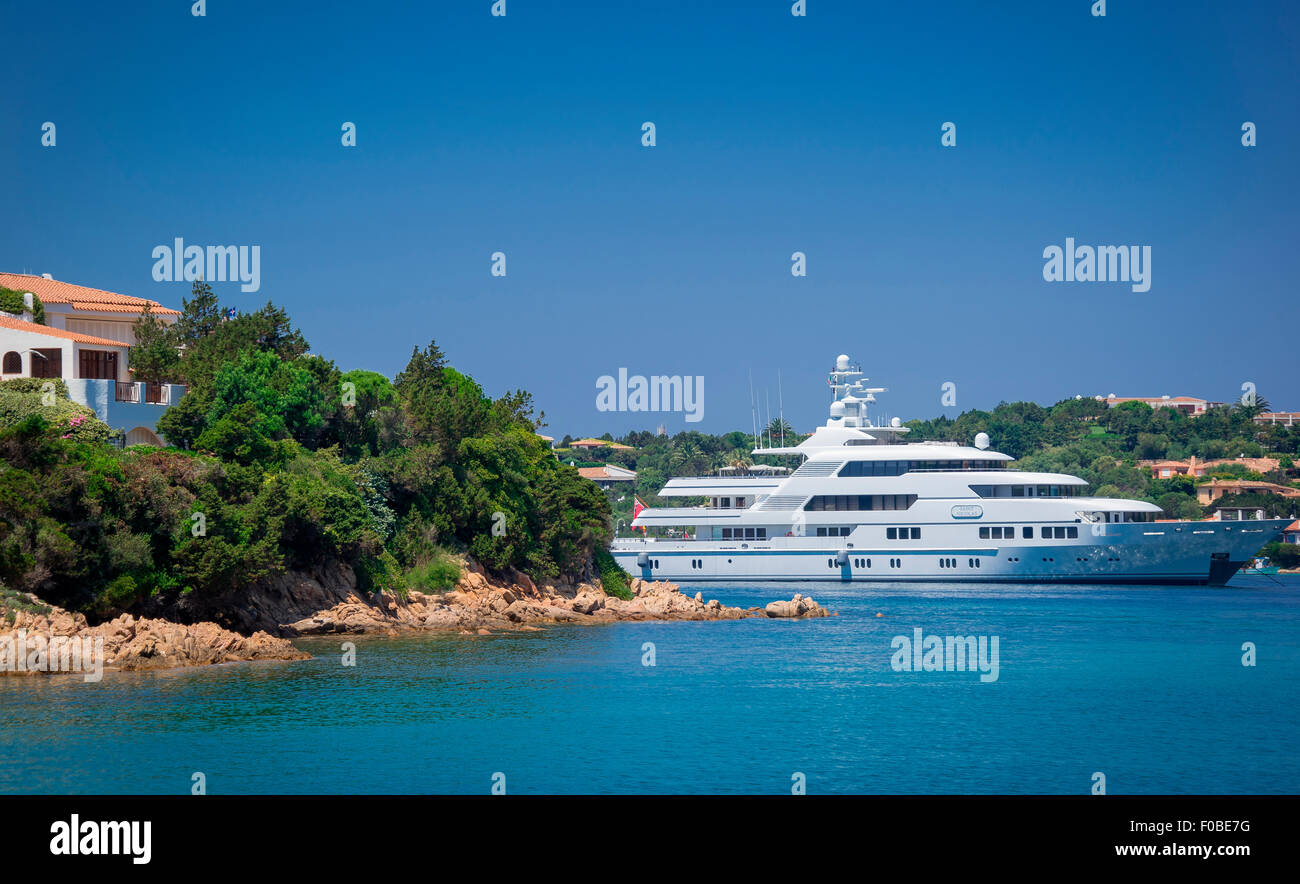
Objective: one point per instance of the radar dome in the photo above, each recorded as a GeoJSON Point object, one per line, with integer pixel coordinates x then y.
{"type": "Point", "coordinates": [837, 409]}
{"type": "Point", "coordinates": [981, 441]}
{"type": "Point", "coordinates": [841, 363]}
{"type": "Point", "coordinates": [895, 422]}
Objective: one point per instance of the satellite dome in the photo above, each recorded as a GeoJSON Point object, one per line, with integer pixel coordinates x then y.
{"type": "Point", "coordinates": [895, 422]}
{"type": "Point", "coordinates": [981, 441]}
{"type": "Point", "coordinates": [842, 362]}
{"type": "Point", "coordinates": [837, 409]}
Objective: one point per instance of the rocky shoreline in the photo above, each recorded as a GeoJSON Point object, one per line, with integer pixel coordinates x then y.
{"type": "Point", "coordinates": [258, 623]}
{"type": "Point", "coordinates": [479, 604]}
{"type": "Point", "coordinates": [126, 643]}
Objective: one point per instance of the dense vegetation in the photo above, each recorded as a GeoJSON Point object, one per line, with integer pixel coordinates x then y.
{"type": "Point", "coordinates": [281, 461]}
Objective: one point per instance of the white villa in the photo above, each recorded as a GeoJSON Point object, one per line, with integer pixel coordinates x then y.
{"type": "Point", "coordinates": [84, 341]}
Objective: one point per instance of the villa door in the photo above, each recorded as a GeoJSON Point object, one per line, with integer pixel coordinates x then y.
{"type": "Point", "coordinates": [99, 364]}
{"type": "Point", "coordinates": [47, 363]}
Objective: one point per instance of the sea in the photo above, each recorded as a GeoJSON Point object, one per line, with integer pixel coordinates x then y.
{"type": "Point", "coordinates": [1132, 690]}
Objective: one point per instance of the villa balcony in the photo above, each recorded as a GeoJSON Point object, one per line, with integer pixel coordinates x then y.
{"type": "Point", "coordinates": [150, 394]}
{"type": "Point", "coordinates": [133, 407]}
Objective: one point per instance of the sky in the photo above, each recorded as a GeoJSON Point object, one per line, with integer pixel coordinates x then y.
{"type": "Point", "coordinates": [774, 134]}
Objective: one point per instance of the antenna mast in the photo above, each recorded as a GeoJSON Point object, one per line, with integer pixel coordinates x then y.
{"type": "Point", "coordinates": [780, 405]}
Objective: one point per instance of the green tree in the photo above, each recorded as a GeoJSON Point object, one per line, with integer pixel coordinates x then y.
{"type": "Point", "coordinates": [200, 314]}
{"type": "Point", "coordinates": [154, 357]}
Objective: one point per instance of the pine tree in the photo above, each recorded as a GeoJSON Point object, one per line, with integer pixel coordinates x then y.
{"type": "Point", "coordinates": [201, 314]}
{"type": "Point", "coordinates": [153, 358]}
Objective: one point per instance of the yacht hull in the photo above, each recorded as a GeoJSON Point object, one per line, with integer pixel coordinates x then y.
{"type": "Point", "coordinates": [1165, 553]}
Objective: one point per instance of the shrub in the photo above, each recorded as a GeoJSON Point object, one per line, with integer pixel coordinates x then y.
{"type": "Point", "coordinates": [435, 575]}
{"type": "Point", "coordinates": [23, 398]}
{"type": "Point", "coordinates": [380, 573]}
{"type": "Point", "coordinates": [11, 301]}
{"type": "Point", "coordinates": [613, 579]}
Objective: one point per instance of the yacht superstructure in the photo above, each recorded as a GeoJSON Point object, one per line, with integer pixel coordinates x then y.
{"type": "Point", "coordinates": [864, 504]}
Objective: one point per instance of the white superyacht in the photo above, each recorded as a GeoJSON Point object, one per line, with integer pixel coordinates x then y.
{"type": "Point", "coordinates": [866, 505]}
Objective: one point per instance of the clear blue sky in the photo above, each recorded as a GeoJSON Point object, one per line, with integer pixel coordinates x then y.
{"type": "Point", "coordinates": [775, 134]}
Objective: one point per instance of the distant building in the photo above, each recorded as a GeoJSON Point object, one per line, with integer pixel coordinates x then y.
{"type": "Point", "coordinates": [1188, 405]}
{"type": "Point", "coordinates": [1285, 418]}
{"type": "Point", "coordinates": [85, 340]}
{"type": "Point", "coordinates": [593, 444]}
{"type": "Point", "coordinates": [1292, 533]}
{"type": "Point", "coordinates": [607, 476]}
{"type": "Point", "coordinates": [1215, 488]}
{"type": "Point", "coordinates": [1164, 469]}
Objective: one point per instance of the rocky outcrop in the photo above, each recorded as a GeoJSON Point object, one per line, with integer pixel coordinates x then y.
{"type": "Point", "coordinates": [131, 643]}
{"type": "Point", "coordinates": [799, 606]}
{"type": "Point", "coordinates": [481, 602]}
{"type": "Point", "coordinates": [256, 623]}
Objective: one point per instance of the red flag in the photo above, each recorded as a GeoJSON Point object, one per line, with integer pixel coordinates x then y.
{"type": "Point", "coordinates": [637, 506]}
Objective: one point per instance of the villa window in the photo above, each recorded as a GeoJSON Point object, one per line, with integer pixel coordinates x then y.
{"type": "Point", "coordinates": [97, 364]}
{"type": "Point", "coordinates": [13, 363]}
{"type": "Point", "coordinates": [47, 363]}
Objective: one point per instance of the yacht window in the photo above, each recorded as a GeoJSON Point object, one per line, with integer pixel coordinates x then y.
{"type": "Point", "coordinates": [847, 502]}
{"type": "Point", "coordinates": [1027, 532]}
{"type": "Point", "coordinates": [1072, 532]}
{"type": "Point", "coordinates": [760, 533]}
{"type": "Point", "coordinates": [726, 533]}
{"type": "Point", "coordinates": [984, 533]}
{"type": "Point", "coordinates": [749, 533]}
{"type": "Point", "coordinates": [891, 533]}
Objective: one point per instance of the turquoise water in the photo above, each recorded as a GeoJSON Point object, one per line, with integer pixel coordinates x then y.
{"type": "Point", "coordinates": [1145, 685]}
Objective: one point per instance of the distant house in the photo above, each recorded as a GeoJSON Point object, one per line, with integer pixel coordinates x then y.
{"type": "Point", "coordinates": [1164, 469]}
{"type": "Point", "coordinates": [85, 340]}
{"type": "Point", "coordinates": [593, 444]}
{"type": "Point", "coordinates": [607, 476]}
{"type": "Point", "coordinates": [1285, 418]}
{"type": "Point", "coordinates": [1188, 405]}
{"type": "Point", "coordinates": [1292, 533]}
{"type": "Point", "coordinates": [1215, 488]}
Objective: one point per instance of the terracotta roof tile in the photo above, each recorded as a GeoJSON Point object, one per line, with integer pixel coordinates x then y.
{"type": "Point", "coordinates": [53, 291]}
{"type": "Point", "coordinates": [7, 321]}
